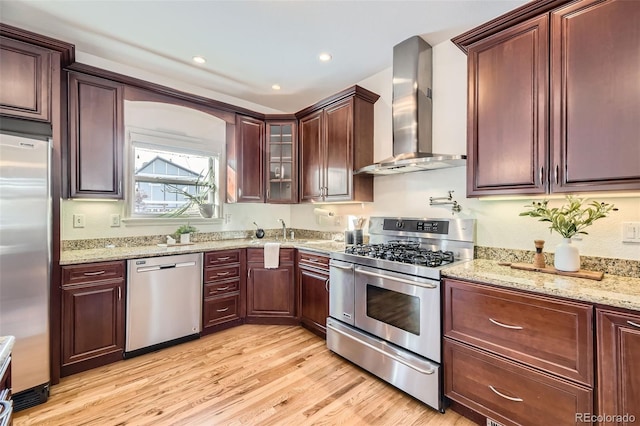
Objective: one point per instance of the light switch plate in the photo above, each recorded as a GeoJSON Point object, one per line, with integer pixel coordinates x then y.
{"type": "Point", "coordinates": [115, 220]}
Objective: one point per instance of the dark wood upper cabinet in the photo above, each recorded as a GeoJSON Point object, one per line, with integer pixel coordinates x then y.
{"type": "Point", "coordinates": [507, 121]}
{"type": "Point", "coordinates": [336, 138]}
{"type": "Point", "coordinates": [248, 177]}
{"type": "Point", "coordinates": [25, 86]}
{"type": "Point", "coordinates": [282, 162]}
{"type": "Point", "coordinates": [618, 337]}
{"type": "Point", "coordinates": [552, 99]}
{"type": "Point", "coordinates": [96, 137]}
{"type": "Point", "coordinates": [595, 66]}
{"type": "Point", "coordinates": [311, 157]}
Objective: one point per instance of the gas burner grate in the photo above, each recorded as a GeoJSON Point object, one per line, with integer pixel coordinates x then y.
{"type": "Point", "coordinates": [404, 252]}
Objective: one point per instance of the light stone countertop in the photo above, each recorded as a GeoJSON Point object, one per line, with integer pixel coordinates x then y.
{"type": "Point", "coordinates": [6, 345]}
{"type": "Point", "coordinates": [72, 257]}
{"type": "Point", "coordinates": [613, 290]}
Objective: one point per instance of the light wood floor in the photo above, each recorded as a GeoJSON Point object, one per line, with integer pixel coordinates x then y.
{"type": "Point", "coordinates": [247, 375]}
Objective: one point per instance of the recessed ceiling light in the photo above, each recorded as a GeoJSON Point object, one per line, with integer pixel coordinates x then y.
{"type": "Point", "coordinates": [199, 60]}
{"type": "Point", "coordinates": [324, 57]}
{"type": "Point", "coordinates": [276, 87]}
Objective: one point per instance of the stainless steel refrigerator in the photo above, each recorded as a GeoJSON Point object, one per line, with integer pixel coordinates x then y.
{"type": "Point", "coordinates": [25, 246]}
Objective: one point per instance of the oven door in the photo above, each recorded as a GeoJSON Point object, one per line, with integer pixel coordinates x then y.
{"type": "Point", "coordinates": [402, 309]}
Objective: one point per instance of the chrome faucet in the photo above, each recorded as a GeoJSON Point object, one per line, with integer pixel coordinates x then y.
{"type": "Point", "coordinates": [284, 230]}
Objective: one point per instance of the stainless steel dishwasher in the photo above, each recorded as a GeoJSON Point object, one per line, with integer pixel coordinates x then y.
{"type": "Point", "coordinates": [164, 301]}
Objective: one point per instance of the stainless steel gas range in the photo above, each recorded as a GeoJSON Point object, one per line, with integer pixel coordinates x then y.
{"type": "Point", "coordinates": [385, 301]}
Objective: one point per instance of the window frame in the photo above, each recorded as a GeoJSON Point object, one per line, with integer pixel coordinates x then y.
{"type": "Point", "coordinates": [180, 144]}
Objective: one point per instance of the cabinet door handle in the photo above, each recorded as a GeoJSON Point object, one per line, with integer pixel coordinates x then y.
{"type": "Point", "coordinates": [557, 172]}
{"type": "Point", "coordinates": [222, 288]}
{"type": "Point", "coordinates": [93, 274]}
{"type": "Point", "coordinates": [222, 310]}
{"type": "Point", "coordinates": [249, 273]}
{"type": "Point", "coordinates": [510, 398]}
{"type": "Point", "coordinates": [541, 175]}
{"type": "Point", "coordinates": [222, 274]}
{"type": "Point", "coordinates": [326, 285]}
{"type": "Point", "coordinates": [119, 293]}
{"type": "Point", "coordinates": [223, 258]}
{"type": "Point", "coordinates": [635, 324]}
{"type": "Point", "coordinates": [512, 327]}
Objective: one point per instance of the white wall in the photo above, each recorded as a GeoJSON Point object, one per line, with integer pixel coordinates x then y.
{"type": "Point", "coordinates": [498, 222]}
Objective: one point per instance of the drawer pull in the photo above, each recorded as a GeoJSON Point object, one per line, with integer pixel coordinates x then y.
{"type": "Point", "coordinates": [222, 288]}
{"type": "Point", "coordinates": [224, 258]}
{"type": "Point", "coordinates": [326, 285]}
{"type": "Point", "coordinates": [510, 398]}
{"type": "Point", "coordinates": [222, 274]}
{"type": "Point", "coordinates": [635, 324]}
{"type": "Point", "coordinates": [223, 310]}
{"type": "Point", "coordinates": [308, 259]}
{"type": "Point", "coordinates": [93, 274]}
{"type": "Point", "coordinates": [511, 327]}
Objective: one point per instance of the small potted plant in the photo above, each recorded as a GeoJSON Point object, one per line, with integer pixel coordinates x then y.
{"type": "Point", "coordinates": [184, 233]}
{"type": "Point", "coordinates": [568, 220]}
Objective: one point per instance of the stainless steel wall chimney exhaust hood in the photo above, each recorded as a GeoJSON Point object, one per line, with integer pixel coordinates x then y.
{"type": "Point", "coordinates": [412, 114]}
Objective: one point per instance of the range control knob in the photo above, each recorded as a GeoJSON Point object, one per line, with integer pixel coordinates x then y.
{"type": "Point", "coordinates": [399, 224]}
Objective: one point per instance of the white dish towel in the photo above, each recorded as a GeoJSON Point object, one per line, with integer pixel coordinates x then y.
{"type": "Point", "coordinates": [271, 255]}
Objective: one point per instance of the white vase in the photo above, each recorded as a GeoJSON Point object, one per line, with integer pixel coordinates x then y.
{"type": "Point", "coordinates": [185, 238]}
{"type": "Point", "coordinates": [566, 258]}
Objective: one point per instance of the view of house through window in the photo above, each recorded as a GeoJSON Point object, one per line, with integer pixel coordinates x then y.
{"type": "Point", "coordinates": [165, 181]}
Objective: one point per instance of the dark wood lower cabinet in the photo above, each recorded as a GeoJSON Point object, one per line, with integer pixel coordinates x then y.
{"type": "Point", "coordinates": [92, 325]}
{"type": "Point", "coordinates": [511, 393]}
{"type": "Point", "coordinates": [223, 290]}
{"type": "Point", "coordinates": [618, 337]}
{"type": "Point", "coordinates": [313, 287]}
{"type": "Point", "coordinates": [271, 294]}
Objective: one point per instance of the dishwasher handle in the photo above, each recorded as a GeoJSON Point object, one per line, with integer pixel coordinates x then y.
{"type": "Point", "coordinates": [165, 266]}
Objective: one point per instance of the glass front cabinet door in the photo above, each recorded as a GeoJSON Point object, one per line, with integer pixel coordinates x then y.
{"type": "Point", "coordinates": [282, 181]}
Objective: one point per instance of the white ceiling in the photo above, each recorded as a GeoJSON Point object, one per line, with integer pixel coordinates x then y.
{"type": "Point", "coordinates": [251, 45]}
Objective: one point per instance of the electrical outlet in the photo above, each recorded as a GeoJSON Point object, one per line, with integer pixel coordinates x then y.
{"type": "Point", "coordinates": [78, 220]}
{"type": "Point", "coordinates": [337, 221]}
{"type": "Point", "coordinates": [631, 232]}
{"type": "Point", "coordinates": [115, 220]}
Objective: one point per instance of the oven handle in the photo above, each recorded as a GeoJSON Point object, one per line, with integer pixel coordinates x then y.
{"type": "Point", "coordinates": [389, 277]}
{"type": "Point", "coordinates": [392, 356]}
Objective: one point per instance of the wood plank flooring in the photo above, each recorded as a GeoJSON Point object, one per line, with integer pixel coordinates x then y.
{"type": "Point", "coordinates": [247, 375]}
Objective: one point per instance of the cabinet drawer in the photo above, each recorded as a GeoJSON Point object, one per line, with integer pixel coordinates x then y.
{"type": "Point", "coordinates": [257, 255]}
{"type": "Point", "coordinates": [222, 257]}
{"type": "Point", "coordinates": [313, 260]}
{"type": "Point", "coordinates": [218, 288]}
{"type": "Point", "coordinates": [550, 334]}
{"type": "Point", "coordinates": [219, 310]}
{"type": "Point", "coordinates": [510, 393]}
{"type": "Point", "coordinates": [76, 274]}
{"type": "Point", "coordinates": [223, 273]}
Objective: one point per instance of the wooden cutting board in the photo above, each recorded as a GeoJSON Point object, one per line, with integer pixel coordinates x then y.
{"type": "Point", "coordinates": [591, 275]}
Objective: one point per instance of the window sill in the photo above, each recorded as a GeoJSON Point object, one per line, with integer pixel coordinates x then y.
{"type": "Point", "coordinates": [152, 221]}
